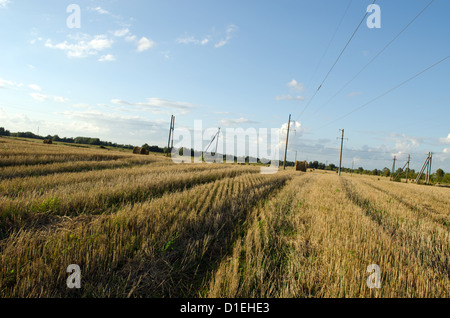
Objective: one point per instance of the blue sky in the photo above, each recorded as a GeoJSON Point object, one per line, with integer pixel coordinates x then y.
{"type": "Point", "coordinates": [230, 64]}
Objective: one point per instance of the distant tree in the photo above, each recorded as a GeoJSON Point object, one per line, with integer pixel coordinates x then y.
{"type": "Point", "coordinates": [440, 174]}
{"type": "Point", "coordinates": [4, 132]}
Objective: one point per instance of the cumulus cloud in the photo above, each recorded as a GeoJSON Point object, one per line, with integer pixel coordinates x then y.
{"type": "Point", "coordinates": [121, 33]}
{"type": "Point", "coordinates": [295, 86]}
{"type": "Point", "coordinates": [445, 140]}
{"type": "Point", "coordinates": [144, 44]}
{"type": "Point", "coordinates": [107, 58]}
{"type": "Point", "coordinates": [84, 45]}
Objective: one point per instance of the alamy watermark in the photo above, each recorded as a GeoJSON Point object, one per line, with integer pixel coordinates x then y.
{"type": "Point", "coordinates": [73, 21]}
{"type": "Point", "coordinates": [74, 279]}
{"type": "Point", "coordinates": [374, 280]}
{"type": "Point", "coordinates": [374, 20]}
{"type": "Point", "coordinates": [238, 145]}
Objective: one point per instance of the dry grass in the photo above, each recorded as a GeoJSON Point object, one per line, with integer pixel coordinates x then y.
{"type": "Point", "coordinates": [146, 227]}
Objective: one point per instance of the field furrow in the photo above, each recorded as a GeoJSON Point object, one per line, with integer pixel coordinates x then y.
{"type": "Point", "coordinates": [99, 196]}
{"type": "Point", "coordinates": [157, 248]}
{"type": "Point", "coordinates": [429, 240]}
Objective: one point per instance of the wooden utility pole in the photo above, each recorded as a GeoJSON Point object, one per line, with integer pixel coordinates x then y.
{"type": "Point", "coordinates": [287, 139]}
{"type": "Point", "coordinates": [216, 137]}
{"type": "Point", "coordinates": [340, 158]}
{"type": "Point", "coordinates": [430, 155]}
{"type": "Point", "coordinates": [172, 128]}
{"type": "Point", "coordinates": [426, 165]}
{"type": "Point", "coordinates": [393, 169]}
{"type": "Point", "coordinates": [407, 168]}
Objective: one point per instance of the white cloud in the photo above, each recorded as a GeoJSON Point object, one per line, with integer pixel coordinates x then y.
{"type": "Point", "coordinates": [157, 105]}
{"type": "Point", "coordinates": [295, 86]}
{"type": "Point", "coordinates": [130, 38]}
{"type": "Point", "coordinates": [192, 40]}
{"type": "Point", "coordinates": [60, 99]}
{"type": "Point", "coordinates": [123, 128]}
{"type": "Point", "coordinates": [221, 43]}
{"type": "Point", "coordinates": [99, 10]}
{"type": "Point", "coordinates": [230, 30]}
{"type": "Point", "coordinates": [9, 84]}
{"type": "Point", "coordinates": [445, 140]}
{"type": "Point", "coordinates": [295, 126]}
{"type": "Point", "coordinates": [289, 98]}
{"type": "Point", "coordinates": [107, 58]}
{"type": "Point", "coordinates": [236, 121]}
{"type": "Point", "coordinates": [35, 87]}
{"type": "Point", "coordinates": [43, 97]}
{"type": "Point", "coordinates": [121, 33]}
{"type": "Point", "coordinates": [40, 97]}
{"type": "Point", "coordinates": [404, 144]}
{"type": "Point", "coordinates": [144, 44]}
{"type": "Point", "coordinates": [3, 3]}
{"type": "Point", "coordinates": [84, 46]}
{"type": "Point", "coordinates": [209, 38]}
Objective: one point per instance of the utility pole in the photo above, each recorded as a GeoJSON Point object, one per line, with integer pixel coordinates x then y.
{"type": "Point", "coordinates": [407, 168]}
{"type": "Point", "coordinates": [340, 158]}
{"type": "Point", "coordinates": [287, 139]}
{"type": "Point", "coordinates": [172, 128]}
{"type": "Point", "coordinates": [426, 165]}
{"type": "Point", "coordinates": [393, 168]}
{"type": "Point", "coordinates": [217, 141]}
{"type": "Point", "coordinates": [295, 156]}
{"type": "Point", "coordinates": [430, 155]}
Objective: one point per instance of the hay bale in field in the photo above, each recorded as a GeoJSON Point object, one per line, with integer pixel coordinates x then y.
{"type": "Point", "coordinates": [48, 141]}
{"type": "Point", "coordinates": [140, 151]}
{"type": "Point", "coordinates": [301, 166]}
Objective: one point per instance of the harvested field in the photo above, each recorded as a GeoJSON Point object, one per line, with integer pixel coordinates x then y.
{"type": "Point", "coordinates": [143, 226]}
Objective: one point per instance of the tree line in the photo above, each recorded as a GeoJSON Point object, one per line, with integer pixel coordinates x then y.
{"type": "Point", "coordinates": [438, 177]}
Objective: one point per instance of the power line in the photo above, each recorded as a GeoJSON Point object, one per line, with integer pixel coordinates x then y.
{"type": "Point", "coordinates": [338, 58]}
{"type": "Point", "coordinates": [329, 43]}
{"type": "Point", "coordinates": [387, 92]}
{"type": "Point", "coordinates": [378, 54]}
